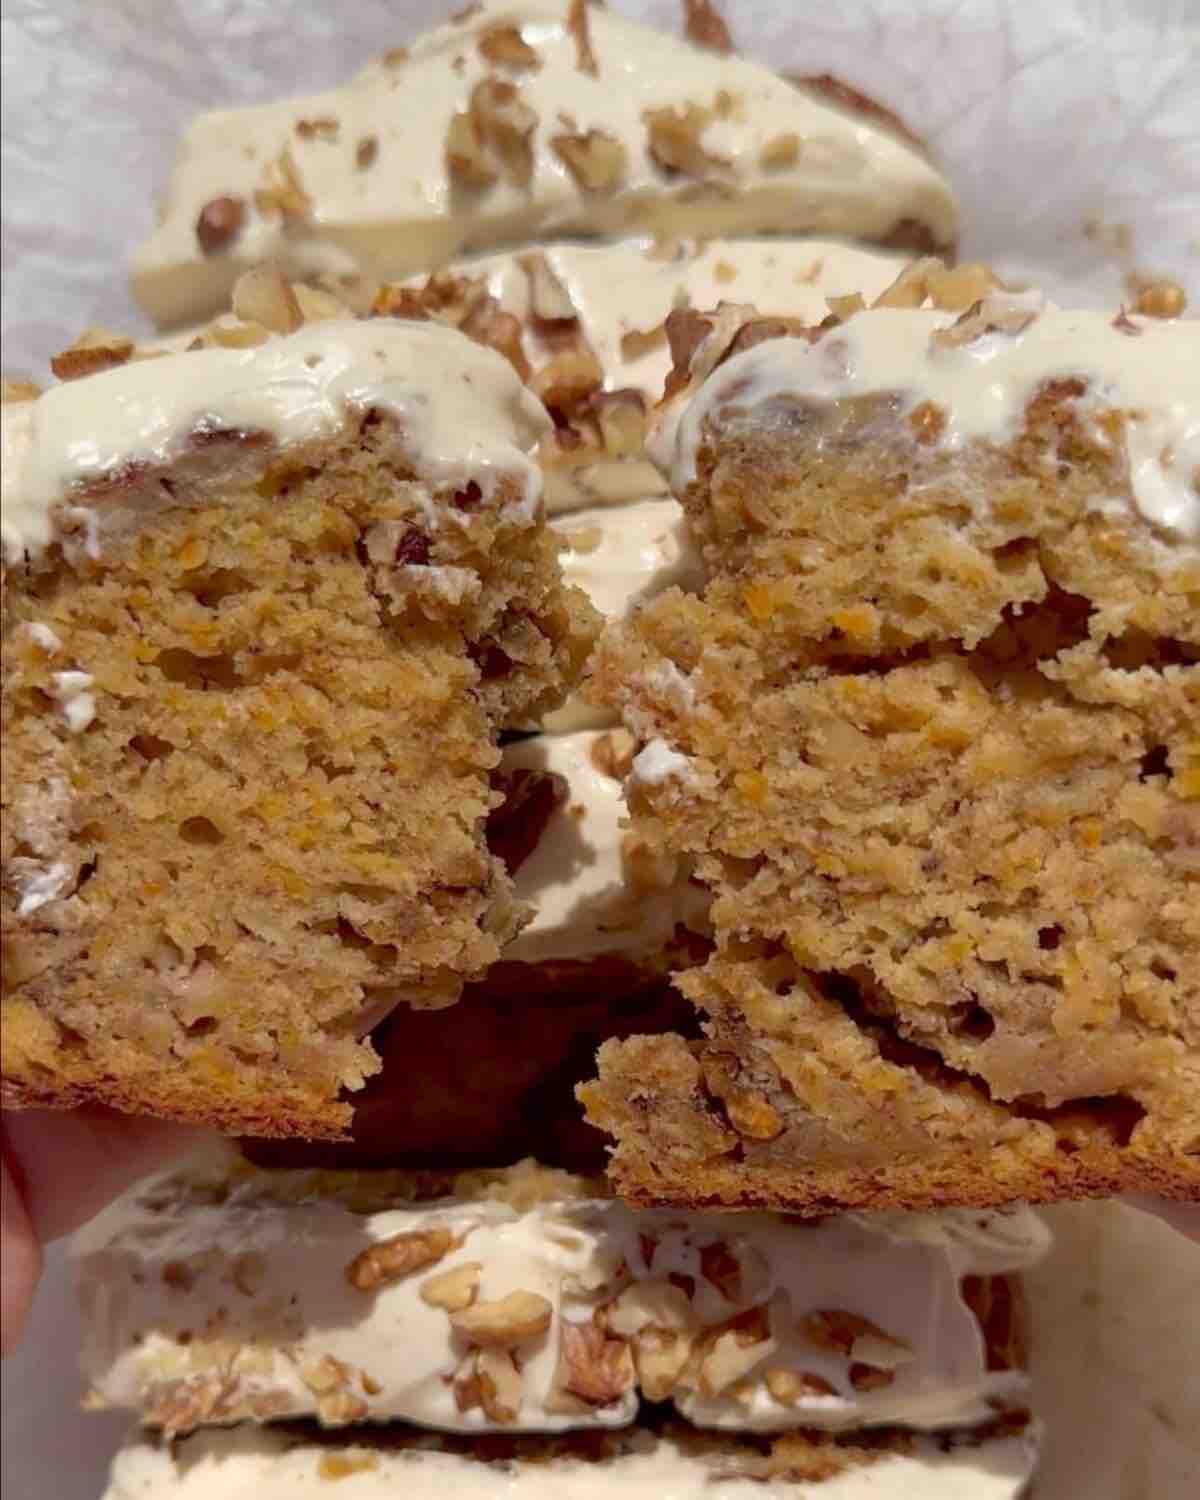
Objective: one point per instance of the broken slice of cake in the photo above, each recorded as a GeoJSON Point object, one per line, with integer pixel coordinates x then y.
{"type": "Point", "coordinates": [525, 120]}
{"type": "Point", "coordinates": [266, 612]}
{"type": "Point", "coordinates": [932, 736]}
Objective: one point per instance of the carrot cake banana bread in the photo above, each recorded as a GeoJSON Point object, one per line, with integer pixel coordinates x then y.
{"type": "Point", "coordinates": [519, 121]}
{"type": "Point", "coordinates": [932, 736]}
{"type": "Point", "coordinates": [266, 612]}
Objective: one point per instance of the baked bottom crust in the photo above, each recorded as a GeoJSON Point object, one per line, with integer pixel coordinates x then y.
{"type": "Point", "coordinates": [266, 823]}
{"type": "Point", "coordinates": [941, 776]}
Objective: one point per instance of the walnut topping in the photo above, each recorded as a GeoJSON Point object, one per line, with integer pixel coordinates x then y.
{"type": "Point", "coordinates": [928, 421]}
{"type": "Point", "coordinates": [674, 139]}
{"type": "Point", "coordinates": [466, 157]}
{"type": "Point", "coordinates": [94, 350]}
{"type": "Point", "coordinates": [910, 287]}
{"type": "Point", "coordinates": [612, 753]}
{"type": "Point", "coordinates": [502, 127]}
{"type": "Point", "coordinates": [232, 333]}
{"type": "Point", "coordinates": [487, 323]}
{"type": "Point", "coordinates": [366, 151]}
{"type": "Point", "coordinates": [394, 57]}
{"type": "Point", "coordinates": [790, 1387]}
{"type": "Point", "coordinates": [999, 312]}
{"type": "Point", "coordinates": [642, 341]}
{"type": "Point", "coordinates": [453, 1290]}
{"type": "Point", "coordinates": [661, 1356]}
{"type": "Point", "coordinates": [265, 296]}
{"type": "Point", "coordinates": [568, 379]}
{"type": "Point", "coordinates": [704, 25]}
{"type": "Point", "coordinates": [701, 341]}
{"type": "Point", "coordinates": [856, 1338]}
{"type": "Point", "coordinates": [489, 1379]}
{"type": "Point", "coordinates": [504, 44]}
{"type": "Point", "coordinates": [579, 27]}
{"type": "Point", "coordinates": [400, 1256]}
{"type": "Point", "coordinates": [317, 306]}
{"type": "Point", "coordinates": [780, 151]}
{"type": "Point", "coordinates": [621, 416]}
{"type": "Point", "coordinates": [733, 1350]}
{"type": "Point", "coordinates": [845, 307]}
{"type": "Point", "coordinates": [596, 160]}
{"type": "Point", "coordinates": [18, 390]}
{"type": "Point", "coordinates": [548, 297]}
{"type": "Point", "coordinates": [219, 223]}
{"type": "Point", "coordinates": [185, 1404]}
{"type": "Point", "coordinates": [1158, 299]}
{"type": "Point", "coordinates": [650, 1304]}
{"type": "Point", "coordinates": [324, 128]}
{"type": "Point", "coordinates": [326, 1375]}
{"type": "Point", "coordinates": [283, 192]}
{"type": "Point", "coordinates": [506, 1322]}
{"type": "Point", "coordinates": [721, 1269]}
{"type": "Point", "coordinates": [955, 288]}
{"type": "Point", "coordinates": [592, 1366]}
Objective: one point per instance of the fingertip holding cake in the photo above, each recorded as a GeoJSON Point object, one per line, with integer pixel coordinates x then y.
{"type": "Point", "coordinates": [930, 736]}
{"type": "Point", "coordinates": [266, 612]}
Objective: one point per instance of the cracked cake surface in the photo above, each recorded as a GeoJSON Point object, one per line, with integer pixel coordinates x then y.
{"type": "Point", "coordinates": [930, 735]}
{"type": "Point", "coordinates": [266, 611]}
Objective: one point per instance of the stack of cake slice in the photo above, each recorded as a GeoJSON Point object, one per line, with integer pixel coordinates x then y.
{"type": "Point", "coordinates": [854, 894]}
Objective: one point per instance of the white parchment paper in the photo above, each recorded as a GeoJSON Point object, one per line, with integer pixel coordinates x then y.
{"type": "Point", "coordinates": [1071, 131]}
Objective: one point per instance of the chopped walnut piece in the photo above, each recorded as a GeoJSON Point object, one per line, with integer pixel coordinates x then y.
{"type": "Point", "coordinates": [596, 160]}
{"type": "Point", "coordinates": [780, 151]}
{"type": "Point", "coordinates": [394, 57]}
{"type": "Point", "coordinates": [621, 416]}
{"type": "Point", "coordinates": [94, 350]}
{"type": "Point", "coordinates": [317, 306]}
{"type": "Point", "coordinates": [326, 1375]}
{"type": "Point", "coordinates": [453, 1290]}
{"type": "Point", "coordinates": [579, 27]}
{"type": "Point", "coordinates": [928, 421]}
{"type": "Point", "coordinates": [219, 223]}
{"type": "Point", "coordinates": [704, 25]}
{"type": "Point", "coordinates": [340, 1408]}
{"type": "Point", "coordinates": [657, 1304]}
{"type": "Point", "coordinates": [733, 1351]}
{"type": "Point", "coordinates": [999, 312]}
{"type": "Point", "coordinates": [399, 1256]}
{"type": "Point", "coordinates": [674, 139]}
{"type": "Point", "coordinates": [790, 1387]}
{"type": "Point", "coordinates": [366, 151]}
{"type": "Point", "coordinates": [911, 286]}
{"type": "Point", "coordinates": [283, 192]}
{"type": "Point", "coordinates": [466, 157]}
{"type": "Point", "coordinates": [499, 1384]}
{"type": "Point", "coordinates": [234, 333]}
{"type": "Point", "coordinates": [355, 291]}
{"type": "Point", "coordinates": [647, 868]}
{"type": "Point", "coordinates": [505, 123]}
{"type": "Point", "coordinates": [612, 755]}
{"type": "Point", "coordinates": [548, 297]}
{"type": "Point", "coordinates": [870, 1377]}
{"type": "Point", "coordinates": [722, 1269]}
{"type": "Point", "coordinates": [504, 44]}
{"type": "Point", "coordinates": [324, 128]}
{"type": "Point", "coordinates": [1158, 299]}
{"type": "Point", "coordinates": [568, 378]}
{"type": "Point", "coordinates": [661, 1355]}
{"type": "Point", "coordinates": [955, 288]}
{"type": "Point", "coordinates": [855, 1337]}
{"type": "Point", "coordinates": [265, 296]}
{"type": "Point", "coordinates": [487, 323]}
{"type": "Point", "coordinates": [506, 1322]}
{"type": "Point", "coordinates": [642, 341]}
{"type": "Point", "coordinates": [186, 1404]}
{"type": "Point", "coordinates": [750, 1112]}
{"type": "Point", "coordinates": [592, 1366]}
{"type": "Point", "coordinates": [18, 390]}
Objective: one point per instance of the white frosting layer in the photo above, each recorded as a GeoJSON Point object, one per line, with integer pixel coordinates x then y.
{"type": "Point", "coordinates": [1150, 371]}
{"type": "Point", "coordinates": [266, 1464]}
{"type": "Point", "coordinates": [587, 898]}
{"type": "Point", "coordinates": [402, 212]}
{"type": "Point", "coordinates": [171, 1282]}
{"type": "Point", "coordinates": [463, 412]}
{"type": "Point", "coordinates": [622, 557]}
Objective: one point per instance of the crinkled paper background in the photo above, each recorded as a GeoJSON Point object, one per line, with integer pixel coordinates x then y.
{"type": "Point", "coordinates": [1071, 129]}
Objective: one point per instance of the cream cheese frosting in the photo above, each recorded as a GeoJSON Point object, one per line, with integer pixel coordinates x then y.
{"type": "Point", "coordinates": [591, 893]}
{"type": "Point", "coordinates": [1147, 368]}
{"type": "Point", "coordinates": [266, 1464]}
{"type": "Point", "coordinates": [290, 1307]}
{"type": "Point", "coordinates": [359, 179]}
{"type": "Point", "coordinates": [463, 412]}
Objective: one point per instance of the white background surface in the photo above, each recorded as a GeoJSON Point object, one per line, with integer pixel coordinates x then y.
{"type": "Point", "coordinates": [1050, 115]}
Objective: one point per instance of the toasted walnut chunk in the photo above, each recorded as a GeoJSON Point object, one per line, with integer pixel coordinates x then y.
{"type": "Point", "coordinates": [505, 123]}
{"type": "Point", "coordinates": [850, 1334]}
{"type": "Point", "coordinates": [622, 419]}
{"type": "Point", "coordinates": [731, 1352]}
{"type": "Point", "coordinates": [233, 333]}
{"type": "Point", "coordinates": [597, 161]}
{"type": "Point", "coordinates": [467, 159]}
{"type": "Point", "coordinates": [487, 323]}
{"type": "Point", "coordinates": [366, 151]}
{"type": "Point", "coordinates": [595, 1368]}
{"type": "Point", "coordinates": [780, 151]}
{"type": "Point", "coordinates": [650, 1304]}
{"type": "Point", "coordinates": [612, 754]}
{"type": "Point", "coordinates": [790, 1387]}
{"type": "Point", "coordinates": [18, 390]}
{"type": "Point", "coordinates": [399, 1256]}
{"type": "Point", "coordinates": [674, 139]}
{"type": "Point", "coordinates": [661, 1356]}
{"type": "Point", "coordinates": [283, 189]}
{"type": "Point", "coordinates": [548, 297]}
{"type": "Point", "coordinates": [94, 350]}
{"type": "Point", "coordinates": [504, 44]}
{"type": "Point", "coordinates": [219, 223]}
{"type": "Point", "coordinates": [845, 307]}
{"type": "Point", "coordinates": [500, 1384]}
{"type": "Point", "coordinates": [453, 1290]}
{"type": "Point", "coordinates": [323, 128]}
{"type": "Point", "coordinates": [568, 378]}
{"type": "Point", "coordinates": [1158, 299]}
{"type": "Point", "coordinates": [639, 342]}
{"type": "Point", "coordinates": [579, 27]}
{"type": "Point", "coordinates": [870, 1377]}
{"type": "Point", "coordinates": [704, 25]}
{"type": "Point", "coordinates": [264, 295]}
{"type": "Point", "coordinates": [505, 1322]}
